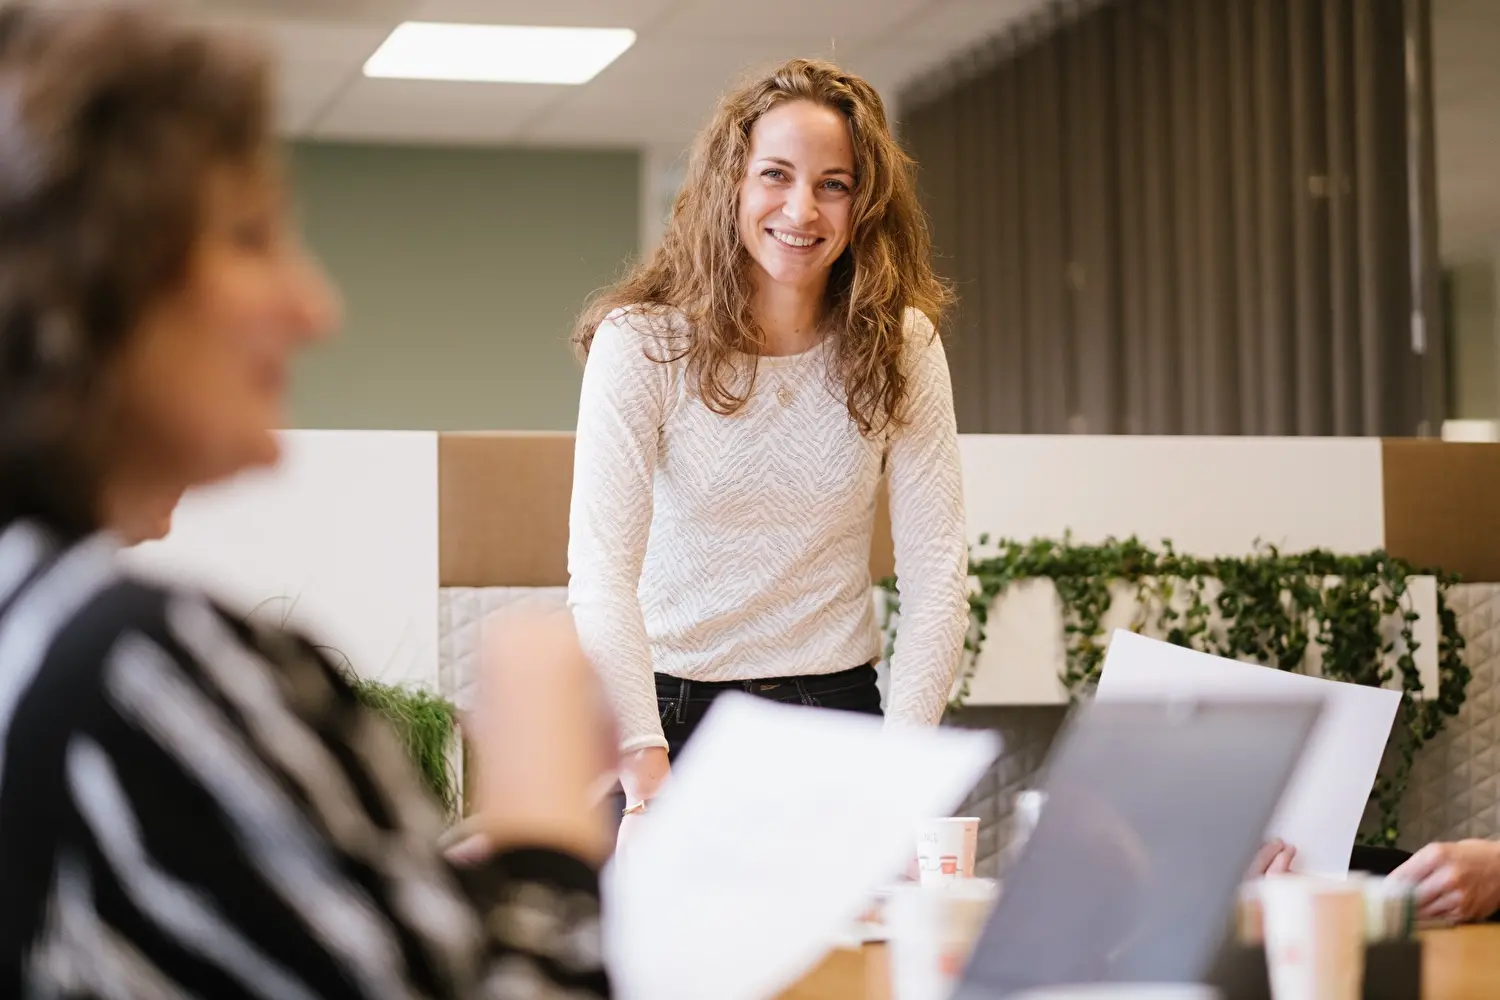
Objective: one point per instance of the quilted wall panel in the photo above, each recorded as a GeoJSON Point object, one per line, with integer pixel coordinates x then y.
{"type": "Point", "coordinates": [461, 611]}
{"type": "Point", "coordinates": [1455, 782]}
{"type": "Point", "coordinates": [1455, 786]}
{"type": "Point", "coordinates": [1026, 732]}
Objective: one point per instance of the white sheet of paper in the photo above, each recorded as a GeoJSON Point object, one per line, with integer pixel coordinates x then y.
{"type": "Point", "coordinates": [1320, 810]}
{"type": "Point", "coordinates": [776, 828]}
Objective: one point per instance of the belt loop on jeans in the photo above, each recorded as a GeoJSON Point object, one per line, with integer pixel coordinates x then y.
{"type": "Point", "coordinates": [803, 693]}
{"type": "Point", "coordinates": [684, 690]}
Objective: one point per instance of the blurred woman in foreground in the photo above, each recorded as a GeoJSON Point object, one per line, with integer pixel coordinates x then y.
{"type": "Point", "coordinates": [190, 806]}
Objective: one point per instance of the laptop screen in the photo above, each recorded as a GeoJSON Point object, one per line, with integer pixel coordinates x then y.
{"type": "Point", "coordinates": [1153, 814]}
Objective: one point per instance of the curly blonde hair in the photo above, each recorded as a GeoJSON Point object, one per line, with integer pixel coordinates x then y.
{"type": "Point", "coordinates": [700, 269]}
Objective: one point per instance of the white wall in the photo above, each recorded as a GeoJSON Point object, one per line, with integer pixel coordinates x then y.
{"type": "Point", "coordinates": [341, 540]}
{"type": "Point", "coordinates": [1210, 496]}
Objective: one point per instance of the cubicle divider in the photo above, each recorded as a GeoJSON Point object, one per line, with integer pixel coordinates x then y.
{"type": "Point", "coordinates": [358, 532]}
{"type": "Point", "coordinates": [392, 546]}
{"type": "Point", "coordinates": [504, 502]}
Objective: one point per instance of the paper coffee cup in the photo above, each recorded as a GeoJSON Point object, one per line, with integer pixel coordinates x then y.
{"type": "Point", "coordinates": [945, 850]}
{"type": "Point", "coordinates": [930, 933]}
{"type": "Point", "coordinates": [1315, 937]}
{"type": "Point", "coordinates": [1390, 909]}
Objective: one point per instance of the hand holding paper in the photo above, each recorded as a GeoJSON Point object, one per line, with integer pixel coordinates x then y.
{"type": "Point", "coordinates": [1320, 812]}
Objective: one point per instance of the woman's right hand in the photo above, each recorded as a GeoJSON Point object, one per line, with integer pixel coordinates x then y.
{"type": "Point", "coordinates": [642, 775]}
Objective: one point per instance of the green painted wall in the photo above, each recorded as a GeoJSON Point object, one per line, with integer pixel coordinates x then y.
{"type": "Point", "coordinates": [462, 271]}
{"type": "Point", "coordinates": [1474, 339]}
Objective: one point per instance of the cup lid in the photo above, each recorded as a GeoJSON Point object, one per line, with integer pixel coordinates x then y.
{"type": "Point", "coordinates": [1122, 991]}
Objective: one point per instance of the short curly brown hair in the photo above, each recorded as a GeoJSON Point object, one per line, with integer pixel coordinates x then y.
{"type": "Point", "coordinates": [111, 120]}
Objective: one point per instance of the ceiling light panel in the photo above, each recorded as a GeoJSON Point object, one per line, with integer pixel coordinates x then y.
{"type": "Point", "coordinates": [497, 53]}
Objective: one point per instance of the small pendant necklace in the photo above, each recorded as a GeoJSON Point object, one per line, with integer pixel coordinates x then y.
{"type": "Point", "coordinates": [786, 392]}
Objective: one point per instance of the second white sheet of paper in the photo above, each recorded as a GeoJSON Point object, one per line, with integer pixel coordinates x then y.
{"type": "Point", "coordinates": [1320, 810]}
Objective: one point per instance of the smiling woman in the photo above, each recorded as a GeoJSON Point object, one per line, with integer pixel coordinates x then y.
{"type": "Point", "coordinates": [745, 391]}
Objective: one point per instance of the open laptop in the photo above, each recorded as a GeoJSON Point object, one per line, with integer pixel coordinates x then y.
{"type": "Point", "coordinates": [1153, 813]}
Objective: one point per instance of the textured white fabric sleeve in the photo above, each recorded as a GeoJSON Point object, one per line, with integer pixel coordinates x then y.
{"type": "Point", "coordinates": [619, 423]}
{"type": "Point", "coordinates": [927, 526]}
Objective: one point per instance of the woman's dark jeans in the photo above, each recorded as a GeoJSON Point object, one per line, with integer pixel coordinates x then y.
{"type": "Point", "coordinates": [683, 704]}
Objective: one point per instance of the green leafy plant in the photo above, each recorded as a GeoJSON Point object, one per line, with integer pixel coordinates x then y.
{"type": "Point", "coordinates": [1268, 607]}
{"type": "Point", "coordinates": [425, 723]}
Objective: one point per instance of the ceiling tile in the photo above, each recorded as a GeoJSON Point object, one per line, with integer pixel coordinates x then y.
{"type": "Point", "coordinates": [888, 68]}
{"type": "Point", "coordinates": [651, 110]}
{"type": "Point", "coordinates": [349, 11]}
{"type": "Point", "coordinates": [425, 111]}
{"type": "Point", "coordinates": [826, 19]}
{"type": "Point", "coordinates": [321, 43]}
{"type": "Point", "coordinates": [662, 90]}
{"type": "Point", "coordinates": [304, 90]}
{"type": "Point", "coordinates": [561, 13]}
{"type": "Point", "coordinates": [597, 128]}
{"type": "Point", "coordinates": [300, 42]}
{"type": "Point", "coordinates": [712, 64]}
{"type": "Point", "coordinates": [968, 22]}
{"type": "Point", "coordinates": [315, 60]}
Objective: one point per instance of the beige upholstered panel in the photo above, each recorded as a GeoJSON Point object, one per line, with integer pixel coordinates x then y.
{"type": "Point", "coordinates": [503, 509]}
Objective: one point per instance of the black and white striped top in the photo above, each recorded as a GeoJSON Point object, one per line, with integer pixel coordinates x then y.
{"type": "Point", "coordinates": [193, 808]}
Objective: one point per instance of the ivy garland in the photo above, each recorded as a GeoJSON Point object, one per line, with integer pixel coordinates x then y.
{"type": "Point", "coordinates": [1270, 607]}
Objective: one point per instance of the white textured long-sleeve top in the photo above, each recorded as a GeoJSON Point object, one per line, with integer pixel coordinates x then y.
{"type": "Point", "coordinates": [712, 547]}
